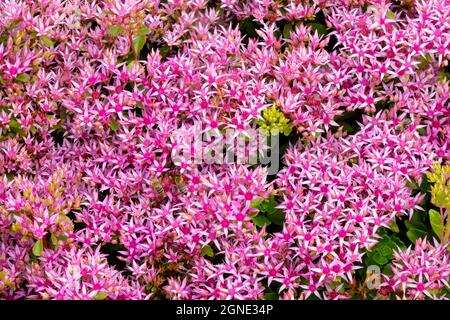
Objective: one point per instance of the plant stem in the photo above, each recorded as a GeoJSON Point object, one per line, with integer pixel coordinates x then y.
{"type": "Point", "coordinates": [132, 47]}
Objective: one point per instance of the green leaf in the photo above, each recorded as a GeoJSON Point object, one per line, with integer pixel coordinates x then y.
{"type": "Point", "coordinates": [394, 227]}
{"type": "Point", "coordinates": [385, 250]}
{"type": "Point", "coordinates": [63, 237]}
{"type": "Point", "coordinates": [38, 248]}
{"type": "Point", "coordinates": [114, 125]}
{"type": "Point", "coordinates": [413, 185]}
{"type": "Point", "coordinates": [417, 221]}
{"type": "Point", "coordinates": [287, 30]}
{"type": "Point", "coordinates": [390, 15]}
{"type": "Point", "coordinates": [47, 41]}
{"type": "Point", "coordinates": [413, 234]}
{"type": "Point", "coordinates": [436, 222]}
{"type": "Point", "coordinates": [271, 204]}
{"type": "Point", "coordinates": [387, 270]}
{"type": "Point", "coordinates": [143, 31]}
{"type": "Point", "coordinates": [114, 30]}
{"type": "Point", "coordinates": [164, 50]}
{"type": "Point", "coordinates": [379, 259]}
{"type": "Point", "coordinates": [424, 61]}
{"type": "Point", "coordinates": [131, 63]}
{"type": "Point", "coordinates": [14, 125]}
{"type": "Point", "coordinates": [101, 295]}
{"type": "Point", "coordinates": [139, 42]}
{"type": "Point", "coordinates": [276, 216]}
{"type": "Point", "coordinates": [320, 28]}
{"type": "Point", "coordinates": [398, 243]}
{"type": "Point", "coordinates": [64, 217]}
{"type": "Point", "coordinates": [54, 239]}
{"type": "Point", "coordinates": [208, 251]}
{"type": "Point", "coordinates": [248, 28]}
{"type": "Point", "coordinates": [261, 220]}
{"type": "Point", "coordinates": [263, 206]}
{"type": "Point", "coordinates": [425, 185]}
{"type": "Point", "coordinates": [23, 77]}
{"type": "Point", "coordinates": [256, 203]}
{"type": "Point", "coordinates": [271, 296]}
{"type": "Point", "coordinates": [443, 76]}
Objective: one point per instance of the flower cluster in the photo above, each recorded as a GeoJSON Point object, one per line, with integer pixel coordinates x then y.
{"type": "Point", "coordinates": [274, 122]}
{"type": "Point", "coordinates": [337, 192]}
{"type": "Point", "coordinates": [96, 98]}
{"type": "Point", "coordinates": [440, 191]}
{"type": "Point", "coordinates": [419, 273]}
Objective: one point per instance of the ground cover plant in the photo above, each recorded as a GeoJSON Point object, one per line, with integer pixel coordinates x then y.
{"type": "Point", "coordinates": [118, 119]}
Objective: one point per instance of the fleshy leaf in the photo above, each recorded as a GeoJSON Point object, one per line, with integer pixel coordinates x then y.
{"type": "Point", "coordinates": [413, 234]}
{"type": "Point", "coordinates": [390, 15]}
{"type": "Point", "coordinates": [394, 227]}
{"type": "Point", "coordinates": [143, 31]}
{"type": "Point", "coordinates": [101, 295]}
{"type": "Point", "coordinates": [208, 251]}
{"type": "Point", "coordinates": [114, 30]}
{"type": "Point", "coordinates": [38, 248]}
{"type": "Point", "coordinates": [23, 77]}
{"type": "Point", "coordinates": [271, 296]}
{"type": "Point", "coordinates": [261, 220]}
{"type": "Point", "coordinates": [256, 203]}
{"type": "Point", "coordinates": [276, 216]}
{"type": "Point", "coordinates": [287, 30]}
{"type": "Point", "coordinates": [436, 222]}
{"type": "Point", "coordinates": [47, 41]}
{"type": "Point", "coordinates": [320, 28]}
{"type": "Point", "coordinates": [114, 124]}
{"type": "Point", "coordinates": [379, 259]}
{"type": "Point", "coordinates": [139, 39]}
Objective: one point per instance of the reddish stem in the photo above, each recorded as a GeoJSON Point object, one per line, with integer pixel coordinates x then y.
{"type": "Point", "coordinates": [132, 47]}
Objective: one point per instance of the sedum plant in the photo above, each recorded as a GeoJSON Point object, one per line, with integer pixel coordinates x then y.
{"type": "Point", "coordinates": [96, 97]}
{"type": "Point", "coordinates": [440, 197]}
{"type": "Point", "coordinates": [274, 122]}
